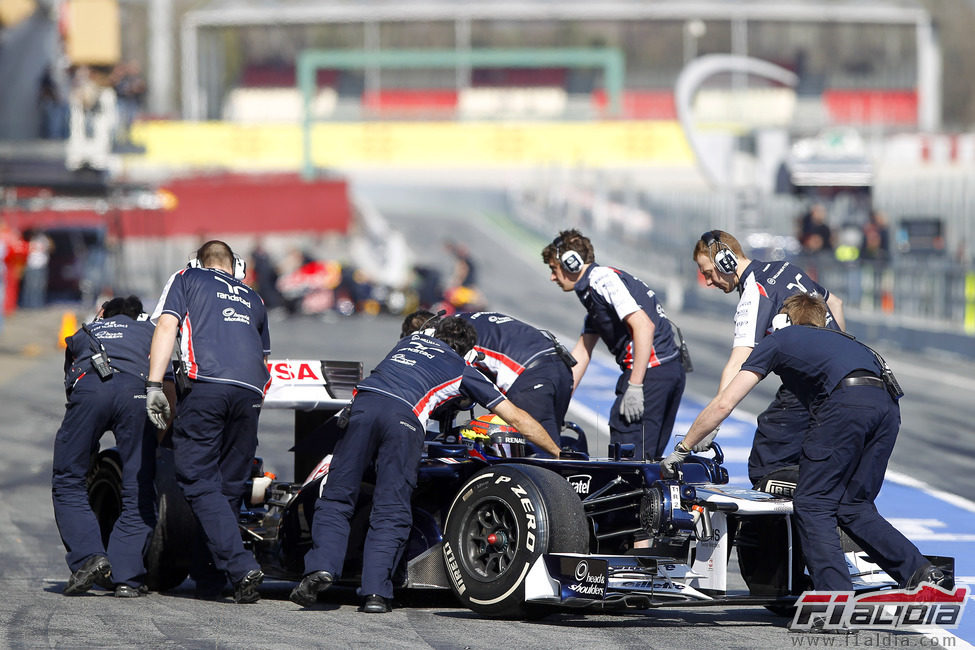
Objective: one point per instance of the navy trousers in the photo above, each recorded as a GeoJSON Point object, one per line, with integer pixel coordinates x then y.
{"type": "Point", "coordinates": [95, 407]}
{"type": "Point", "coordinates": [663, 387]}
{"type": "Point", "coordinates": [385, 430]}
{"type": "Point", "coordinates": [778, 438]}
{"type": "Point", "coordinates": [544, 391]}
{"type": "Point", "coordinates": [214, 441]}
{"type": "Point", "coordinates": [841, 471]}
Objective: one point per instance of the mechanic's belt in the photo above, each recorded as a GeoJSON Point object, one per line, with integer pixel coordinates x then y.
{"type": "Point", "coordinates": [861, 378]}
{"type": "Point", "coordinates": [544, 356]}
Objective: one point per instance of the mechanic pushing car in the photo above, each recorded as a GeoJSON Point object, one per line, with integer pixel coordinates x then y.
{"type": "Point", "coordinates": [851, 395]}
{"type": "Point", "coordinates": [626, 314]}
{"type": "Point", "coordinates": [106, 365]}
{"type": "Point", "coordinates": [762, 289]}
{"type": "Point", "coordinates": [386, 426]}
{"type": "Point", "coordinates": [529, 365]}
{"type": "Point", "coordinates": [222, 328]}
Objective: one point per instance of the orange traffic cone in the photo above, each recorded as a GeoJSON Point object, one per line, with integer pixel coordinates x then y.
{"type": "Point", "coordinates": [69, 325]}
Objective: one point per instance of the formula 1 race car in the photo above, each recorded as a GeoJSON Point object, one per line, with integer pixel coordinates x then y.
{"type": "Point", "coordinates": [511, 535]}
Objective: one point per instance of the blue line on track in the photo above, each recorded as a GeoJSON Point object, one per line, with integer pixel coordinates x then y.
{"type": "Point", "coordinates": [937, 522]}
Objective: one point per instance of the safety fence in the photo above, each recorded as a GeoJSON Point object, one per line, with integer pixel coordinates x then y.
{"type": "Point", "coordinates": [654, 230]}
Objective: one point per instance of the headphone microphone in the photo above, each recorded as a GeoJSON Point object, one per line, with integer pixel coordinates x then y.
{"type": "Point", "coordinates": [724, 258]}
{"type": "Point", "coordinates": [240, 266]}
{"type": "Point", "coordinates": [570, 260]}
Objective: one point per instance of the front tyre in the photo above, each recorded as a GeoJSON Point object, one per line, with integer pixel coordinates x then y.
{"type": "Point", "coordinates": [501, 521]}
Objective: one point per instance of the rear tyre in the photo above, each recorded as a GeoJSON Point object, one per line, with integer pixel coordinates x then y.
{"type": "Point", "coordinates": [170, 547]}
{"type": "Point", "coordinates": [501, 521]}
{"type": "Point", "coordinates": [105, 491]}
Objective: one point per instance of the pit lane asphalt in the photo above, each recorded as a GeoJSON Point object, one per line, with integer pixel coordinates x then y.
{"type": "Point", "coordinates": [33, 613]}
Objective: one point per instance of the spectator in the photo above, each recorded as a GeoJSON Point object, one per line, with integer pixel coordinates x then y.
{"type": "Point", "coordinates": [130, 89]}
{"type": "Point", "coordinates": [266, 277]}
{"type": "Point", "coordinates": [876, 238]}
{"type": "Point", "coordinates": [53, 108]}
{"type": "Point", "coordinates": [34, 291]}
{"type": "Point", "coordinates": [815, 234]}
{"type": "Point", "coordinates": [465, 271]}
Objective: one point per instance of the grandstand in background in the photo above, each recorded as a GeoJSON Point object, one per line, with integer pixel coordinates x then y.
{"type": "Point", "coordinates": [858, 64]}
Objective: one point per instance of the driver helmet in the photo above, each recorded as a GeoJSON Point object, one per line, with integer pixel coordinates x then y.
{"type": "Point", "coordinates": [494, 437]}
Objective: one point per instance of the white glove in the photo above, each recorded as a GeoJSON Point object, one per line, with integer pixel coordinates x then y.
{"type": "Point", "coordinates": [668, 466]}
{"type": "Point", "coordinates": [706, 441]}
{"type": "Point", "coordinates": [157, 407]}
{"type": "Point", "coordinates": [631, 406]}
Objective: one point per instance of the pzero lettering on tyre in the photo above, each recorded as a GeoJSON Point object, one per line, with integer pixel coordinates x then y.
{"type": "Point", "coordinates": [502, 519]}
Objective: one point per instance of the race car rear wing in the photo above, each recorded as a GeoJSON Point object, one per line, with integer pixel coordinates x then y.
{"type": "Point", "coordinates": [316, 390]}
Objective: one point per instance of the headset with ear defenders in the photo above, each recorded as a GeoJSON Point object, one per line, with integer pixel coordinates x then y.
{"type": "Point", "coordinates": [570, 260]}
{"type": "Point", "coordinates": [240, 266]}
{"type": "Point", "coordinates": [724, 258]}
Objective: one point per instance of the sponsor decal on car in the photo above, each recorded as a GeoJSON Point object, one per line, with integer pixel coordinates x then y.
{"type": "Point", "coordinates": [580, 483]}
{"type": "Point", "coordinates": [453, 569]}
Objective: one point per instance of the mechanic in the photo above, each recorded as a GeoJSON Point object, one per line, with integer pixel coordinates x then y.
{"type": "Point", "coordinates": [387, 426]}
{"type": "Point", "coordinates": [105, 367]}
{"type": "Point", "coordinates": [626, 314]}
{"type": "Point", "coordinates": [529, 365]}
{"type": "Point", "coordinates": [851, 396]}
{"type": "Point", "coordinates": [762, 288]}
{"type": "Point", "coordinates": [222, 329]}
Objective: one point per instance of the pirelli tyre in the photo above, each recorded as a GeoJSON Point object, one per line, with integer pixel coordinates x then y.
{"type": "Point", "coordinates": [502, 519]}
{"type": "Point", "coordinates": [105, 490]}
{"type": "Point", "coordinates": [169, 553]}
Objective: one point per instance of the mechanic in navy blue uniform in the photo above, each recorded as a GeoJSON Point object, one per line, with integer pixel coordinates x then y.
{"type": "Point", "coordinates": [626, 315]}
{"type": "Point", "coordinates": [222, 329]}
{"type": "Point", "coordinates": [530, 366]}
{"type": "Point", "coordinates": [386, 426]}
{"type": "Point", "coordinates": [854, 422]}
{"type": "Point", "coordinates": [95, 405]}
{"type": "Point", "coordinates": [762, 289]}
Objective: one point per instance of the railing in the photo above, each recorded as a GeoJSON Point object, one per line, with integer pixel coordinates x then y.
{"type": "Point", "coordinates": [653, 232]}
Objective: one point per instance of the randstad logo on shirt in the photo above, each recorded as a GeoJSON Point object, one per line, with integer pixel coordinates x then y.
{"type": "Point", "coordinates": [230, 315]}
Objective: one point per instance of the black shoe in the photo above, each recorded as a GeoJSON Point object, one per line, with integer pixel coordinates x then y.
{"type": "Point", "coordinates": [306, 593]}
{"type": "Point", "coordinates": [97, 568]}
{"type": "Point", "coordinates": [245, 591]}
{"type": "Point", "coordinates": [375, 604]}
{"type": "Point", "coordinates": [125, 591]}
{"type": "Point", "coordinates": [927, 573]}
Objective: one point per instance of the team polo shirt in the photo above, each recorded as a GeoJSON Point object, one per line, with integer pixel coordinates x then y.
{"type": "Point", "coordinates": [424, 372]}
{"type": "Point", "coordinates": [508, 345]}
{"type": "Point", "coordinates": [126, 342]}
{"type": "Point", "coordinates": [810, 360]}
{"type": "Point", "coordinates": [223, 329]}
{"type": "Point", "coordinates": [764, 287]}
{"type": "Point", "coordinates": [610, 295]}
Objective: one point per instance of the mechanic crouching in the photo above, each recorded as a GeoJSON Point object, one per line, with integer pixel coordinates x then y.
{"type": "Point", "coordinates": [852, 398]}
{"type": "Point", "coordinates": [386, 426]}
{"type": "Point", "coordinates": [106, 365]}
{"type": "Point", "coordinates": [529, 365]}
